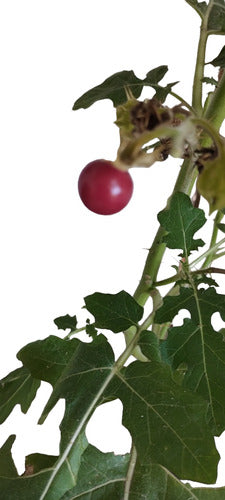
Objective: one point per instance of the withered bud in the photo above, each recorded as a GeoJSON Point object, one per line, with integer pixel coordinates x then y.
{"type": "Point", "coordinates": [149, 114]}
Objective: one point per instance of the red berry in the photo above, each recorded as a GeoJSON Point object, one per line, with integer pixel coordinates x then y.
{"type": "Point", "coordinates": [103, 188]}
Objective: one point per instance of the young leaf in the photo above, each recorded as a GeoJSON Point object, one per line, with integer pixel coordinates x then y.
{"type": "Point", "coordinates": [67, 321]}
{"type": "Point", "coordinates": [46, 359]}
{"type": "Point", "coordinates": [181, 221]}
{"type": "Point", "coordinates": [114, 312]}
{"type": "Point", "coordinates": [210, 81]}
{"type": "Point", "coordinates": [167, 422]}
{"type": "Point", "coordinates": [198, 345]}
{"type": "Point", "coordinates": [19, 387]}
{"type": "Point", "coordinates": [101, 476]}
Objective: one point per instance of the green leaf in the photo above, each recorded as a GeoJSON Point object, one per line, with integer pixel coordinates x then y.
{"type": "Point", "coordinates": [210, 81]}
{"type": "Point", "coordinates": [115, 312]}
{"type": "Point", "coordinates": [162, 92]}
{"type": "Point", "coordinates": [91, 330]}
{"type": "Point", "coordinates": [46, 359]}
{"type": "Point", "coordinates": [67, 321]}
{"type": "Point", "coordinates": [101, 476]}
{"type": "Point", "coordinates": [37, 461]}
{"type": "Point", "coordinates": [80, 383]}
{"type": "Point", "coordinates": [149, 345]}
{"type": "Point", "coordinates": [7, 466]}
{"type": "Point", "coordinates": [209, 493]}
{"type": "Point", "coordinates": [219, 60]}
{"type": "Point", "coordinates": [167, 422]}
{"type": "Point", "coordinates": [19, 387]}
{"type": "Point", "coordinates": [181, 221]}
{"type": "Point", "coordinates": [115, 86]}
{"type": "Point", "coordinates": [36, 486]}
{"type": "Point", "coordinates": [198, 345]}
{"type": "Point", "coordinates": [112, 88]}
{"type": "Point", "coordinates": [215, 20]}
{"type": "Point", "coordinates": [221, 227]}
{"type": "Point", "coordinates": [152, 79]}
{"type": "Point", "coordinates": [157, 483]}
{"type": "Point", "coordinates": [200, 7]}
{"type": "Point", "coordinates": [155, 75]}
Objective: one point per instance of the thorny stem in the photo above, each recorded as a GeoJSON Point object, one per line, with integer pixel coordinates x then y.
{"type": "Point", "coordinates": [187, 175]}
{"type": "Point", "coordinates": [185, 103]}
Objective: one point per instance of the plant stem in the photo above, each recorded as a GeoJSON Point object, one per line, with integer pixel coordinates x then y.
{"type": "Point", "coordinates": [208, 252]}
{"type": "Point", "coordinates": [184, 183]}
{"type": "Point", "coordinates": [130, 472]}
{"type": "Point", "coordinates": [200, 62]}
{"type": "Point", "coordinates": [215, 112]}
{"type": "Point", "coordinates": [211, 256]}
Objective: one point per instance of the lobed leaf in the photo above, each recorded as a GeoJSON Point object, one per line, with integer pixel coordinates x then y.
{"type": "Point", "coordinates": [115, 86]}
{"type": "Point", "coordinates": [67, 321]}
{"type": "Point", "coordinates": [115, 312]}
{"type": "Point", "coordinates": [199, 345]}
{"type": "Point", "coordinates": [19, 387]}
{"type": "Point", "coordinates": [101, 476]}
{"type": "Point", "coordinates": [36, 485]}
{"type": "Point", "coordinates": [181, 221]}
{"type": "Point", "coordinates": [46, 359]}
{"type": "Point", "coordinates": [157, 483]}
{"type": "Point", "coordinates": [112, 88]}
{"type": "Point", "coordinates": [167, 422]}
{"type": "Point", "coordinates": [80, 384]}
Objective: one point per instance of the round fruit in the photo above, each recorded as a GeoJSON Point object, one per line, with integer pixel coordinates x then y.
{"type": "Point", "coordinates": [103, 188]}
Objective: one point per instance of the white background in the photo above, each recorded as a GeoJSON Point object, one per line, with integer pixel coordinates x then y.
{"type": "Point", "coordinates": [53, 250]}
